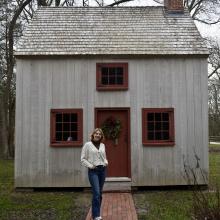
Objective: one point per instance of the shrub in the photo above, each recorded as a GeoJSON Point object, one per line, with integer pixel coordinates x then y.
{"type": "Point", "coordinates": [206, 203]}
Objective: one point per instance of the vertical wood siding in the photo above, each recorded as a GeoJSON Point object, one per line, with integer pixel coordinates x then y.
{"type": "Point", "coordinates": [43, 84]}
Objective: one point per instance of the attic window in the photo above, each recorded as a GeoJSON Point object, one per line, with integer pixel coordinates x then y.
{"type": "Point", "coordinates": [66, 127]}
{"type": "Point", "coordinates": [158, 126]}
{"type": "Point", "coordinates": [112, 76]}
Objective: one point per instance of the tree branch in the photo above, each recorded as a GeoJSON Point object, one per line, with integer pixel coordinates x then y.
{"type": "Point", "coordinates": [213, 72]}
{"type": "Point", "coordinates": [119, 2]}
{"type": "Point", "coordinates": [206, 22]}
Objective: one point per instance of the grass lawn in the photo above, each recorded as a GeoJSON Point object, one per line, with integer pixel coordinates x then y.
{"type": "Point", "coordinates": [38, 205]}
{"type": "Point", "coordinates": [174, 204]}
{"type": "Point", "coordinates": [214, 147]}
{"type": "Point", "coordinates": [152, 205]}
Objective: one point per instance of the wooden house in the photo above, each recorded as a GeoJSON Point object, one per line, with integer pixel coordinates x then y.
{"type": "Point", "coordinates": [143, 69]}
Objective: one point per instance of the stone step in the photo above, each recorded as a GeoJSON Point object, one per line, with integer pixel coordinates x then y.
{"type": "Point", "coordinates": [122, 184]}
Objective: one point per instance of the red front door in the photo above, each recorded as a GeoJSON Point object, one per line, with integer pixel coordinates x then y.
{"type": "Point", "coordinates": [118, 150]}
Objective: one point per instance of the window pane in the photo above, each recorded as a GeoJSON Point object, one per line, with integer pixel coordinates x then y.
{"type": "Point", "coordinates": [73, 126]}
{"type": "Point", "coordinates": [58, 117]}
{"type": "Point", "coordinates": [119, 71]}
{"type": "Point", "coordinates": [150, 135]}
{"type": "Point", "coordinates": [157, 116]}
{"type": "Point", "coordinates": [158, 126]}
{"type": "Point", "coordinates": [150, 126]}
{"type": "Point", "coordinates": [165, 116]}
{"type": "Point", "coordinates": [66, 117]}
{"type": "Point", "coordinates": [58, 136]}
{"type": "Point", "coordinates": [58, 126]}
{"type": "Point", "coordinates": [105, 80]}
{"type": "Point", "coordinates": [165, 126]}
{"type": "Point", "coordinates": [73, 117]}
{"type": "Point", "coordinates": [104, 71]}
{"type": "Point", "coordinates": [158, 135]}
{"type": "Point", "coordinates": [66, 126]}
{"type": "Point", "coordinates": [74, 136]}
{"type": "Point", "coordinates": [112, 71]}
{"type": "Point", "coordinates": [165, 135]}
{"type": "Point", "coordinates": [111, 80]}
{"type": "Point", "coordinates": [66, 135]}
{"type": "Point", "coordinates": [150, 116]}
{"type": "Point", "coordinates": [119, 80]}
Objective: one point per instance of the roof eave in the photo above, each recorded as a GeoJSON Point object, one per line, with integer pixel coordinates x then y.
{"type": "Point", "coordinates": [26, 54]}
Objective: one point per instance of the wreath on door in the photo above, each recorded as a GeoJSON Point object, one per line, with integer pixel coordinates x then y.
{"type": "Point", "coordinates": [111, 128]}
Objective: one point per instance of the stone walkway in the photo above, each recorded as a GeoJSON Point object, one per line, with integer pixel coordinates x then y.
{"type": "Point", "coordinates": [117, 206]}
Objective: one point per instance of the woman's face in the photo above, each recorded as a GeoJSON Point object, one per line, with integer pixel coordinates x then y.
{"type": "Point", "coordinates": [97, 136]}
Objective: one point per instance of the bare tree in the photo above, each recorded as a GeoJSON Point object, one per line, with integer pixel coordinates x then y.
{"type": "Point", "coordinates": [10, 22]}
{"type": "Point", "coordinates": [214, 106]}
{"type": "Point", "coordinates": [214, 57]}
{"type": "Point", "coordinates": [214, 87]}
{"type": "Point", "coordinates": [205, 11]}
{"type": "Point", "coordinates": [20, 11]}
{"type": "Point", "coordinates": [7, 97]}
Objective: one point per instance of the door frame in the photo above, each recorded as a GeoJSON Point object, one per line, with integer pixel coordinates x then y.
{"type": "Point", "coordinates": [127, 110]}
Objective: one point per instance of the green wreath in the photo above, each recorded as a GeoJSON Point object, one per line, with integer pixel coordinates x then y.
{"type": "Point", "coordinates": [111, 128]}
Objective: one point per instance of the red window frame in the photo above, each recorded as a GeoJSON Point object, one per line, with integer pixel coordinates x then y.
{"type": "Point", "coordinates": [79, 128]}
{"type": "Point", "coordinates": [146, 141]}
{"type": "Point", "coordinates": [101, 86]}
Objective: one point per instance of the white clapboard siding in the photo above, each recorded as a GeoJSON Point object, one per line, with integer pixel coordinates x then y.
{"type": "Point", "coordinates": [45, 84]}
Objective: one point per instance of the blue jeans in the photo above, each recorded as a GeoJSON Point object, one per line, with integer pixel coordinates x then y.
{"type": "Point", "coordinates": [96, 179]}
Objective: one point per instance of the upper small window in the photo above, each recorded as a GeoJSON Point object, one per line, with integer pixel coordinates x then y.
{"type": "Point", "coordinates": [158, 126]}
{"type": "Point", "coordinates": [66, 127]}
{"type": "Point", "coordinates": [112, 76]}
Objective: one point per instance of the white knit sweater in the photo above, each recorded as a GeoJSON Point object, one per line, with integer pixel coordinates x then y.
{"type": "Point", "coordinates": [92, 157]}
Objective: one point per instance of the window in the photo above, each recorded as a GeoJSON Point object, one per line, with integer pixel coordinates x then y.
{"type": "Point", "coordinates": [66, 127]}
{"type": "Point", "coordinates": [112, 76]}
{"type": "Point", "coordinates": [158, 126]}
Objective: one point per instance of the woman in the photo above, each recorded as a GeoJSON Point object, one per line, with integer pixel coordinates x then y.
{"type": "Point", "coordinates": [93, 157]}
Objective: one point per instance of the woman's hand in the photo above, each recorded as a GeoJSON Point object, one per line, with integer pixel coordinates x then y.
{"type": "Point", "coordinates": [92, 167]}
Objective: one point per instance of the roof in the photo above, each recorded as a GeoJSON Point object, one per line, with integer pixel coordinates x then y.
{"type": "Point", "coordinates": [110, 31]}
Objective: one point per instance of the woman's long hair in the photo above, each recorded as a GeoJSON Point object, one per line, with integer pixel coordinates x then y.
{"type": "Point", "coordinates": [95, 130]}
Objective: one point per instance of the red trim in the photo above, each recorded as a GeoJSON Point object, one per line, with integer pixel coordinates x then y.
{"type": "Point", "coordinates": [171, 141]}
{"type": "Point", "coordinates": [100, 86]}
{"type": "Point", "coordinates": [129, 141]}
{"type": "Point", "coordinates": [53, 142]}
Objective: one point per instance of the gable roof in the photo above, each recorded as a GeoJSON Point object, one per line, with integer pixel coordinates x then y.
{"type": "Point", "coordinates": [110, 31]}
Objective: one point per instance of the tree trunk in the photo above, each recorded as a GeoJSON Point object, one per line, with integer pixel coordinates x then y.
{"type": "Point", "coordinates": [8, 95]}
{"type": "Point", "coordinates": [11, 130]}
{"type": "Point", "coordinates": [4, 148]}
